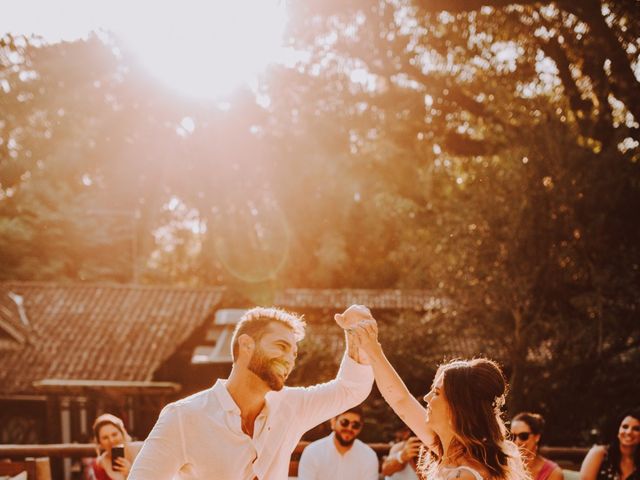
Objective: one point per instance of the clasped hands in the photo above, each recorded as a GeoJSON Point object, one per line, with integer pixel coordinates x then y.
{"type": "Point", "coordinates": [361, 328]}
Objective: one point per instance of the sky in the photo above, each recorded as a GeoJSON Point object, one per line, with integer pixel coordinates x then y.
{"type": "Point", "coordinates": [201, 48]}
{"type": "Point", "coordinates": [60, 19]}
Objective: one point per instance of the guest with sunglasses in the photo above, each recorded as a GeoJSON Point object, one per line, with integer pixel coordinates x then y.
{"type": "Point", "coordinates": [340, 455]}
{"type": "Point", "coordinates": [621, 458]}
{"type": "Point", "coordinates": [526, 430]}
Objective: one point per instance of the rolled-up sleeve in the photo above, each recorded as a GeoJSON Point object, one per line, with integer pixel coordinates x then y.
{"type": "Point", "coordinates": [351, 387]}
{"type": "Point", "coordinates": [163, 452]}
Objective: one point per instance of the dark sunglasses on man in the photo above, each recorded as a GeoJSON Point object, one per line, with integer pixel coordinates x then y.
{"type": "Point", "coordinates": [522, 436]}
{"type": "Point", "coordinates": [344, 423]}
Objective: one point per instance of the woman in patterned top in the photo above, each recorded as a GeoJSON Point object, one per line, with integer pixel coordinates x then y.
{"type": "Point", "coordinates": [461, 425]}
{"type": "Point", "coordinates": [620, 459]}
{"type": "Point", "coordinates": [526, 430]}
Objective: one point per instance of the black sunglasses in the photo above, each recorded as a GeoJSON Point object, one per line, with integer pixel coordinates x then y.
{"type": "Point", "coordinates": [344, 423]}
{"type": "Point", "coordinates": [522, 436]}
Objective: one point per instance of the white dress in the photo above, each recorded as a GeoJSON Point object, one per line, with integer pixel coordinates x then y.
{"type": "Point", "coordinates": [451, 473]}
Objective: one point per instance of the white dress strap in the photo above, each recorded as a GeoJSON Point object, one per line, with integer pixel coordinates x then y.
{"type": "Point", "coordinates": [473, 472]}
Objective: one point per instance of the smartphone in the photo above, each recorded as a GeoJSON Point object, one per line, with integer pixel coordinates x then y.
{"type": "Point", "coordinates": [117, 451]}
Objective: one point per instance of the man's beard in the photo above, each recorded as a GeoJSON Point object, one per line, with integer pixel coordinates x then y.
{"type": "Point", "coordinates": [342, 441]}
{"type": "Point", "coordinates": [262, 367]}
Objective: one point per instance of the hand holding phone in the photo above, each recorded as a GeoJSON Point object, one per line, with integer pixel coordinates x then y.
{"type": "Point", "coordinates": [117, 451]}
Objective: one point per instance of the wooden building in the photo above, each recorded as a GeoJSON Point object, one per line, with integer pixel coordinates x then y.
{"type": "Point", "coordinates": [70, 351]}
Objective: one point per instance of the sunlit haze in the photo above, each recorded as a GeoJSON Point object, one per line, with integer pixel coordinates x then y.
{"type": "Point", "coordinates": [199, 48]}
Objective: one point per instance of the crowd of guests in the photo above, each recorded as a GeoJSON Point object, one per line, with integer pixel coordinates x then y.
{"type": "Point", "coordinates": [342, 456]}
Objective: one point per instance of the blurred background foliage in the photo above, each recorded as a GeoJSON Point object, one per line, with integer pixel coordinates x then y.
{"type": "Point", "coordinates": [487, 150]}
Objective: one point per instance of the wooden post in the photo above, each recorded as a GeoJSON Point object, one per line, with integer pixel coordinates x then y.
{"type": "Point", "coordinates": [65, 424]}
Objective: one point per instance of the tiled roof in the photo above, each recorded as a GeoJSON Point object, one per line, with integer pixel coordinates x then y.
{"type": "Point", "coordinates": [381, 299]}
{"type": "Point", "coordinates": [13, 332]}
{"type": "Point", "coordinates": [95, 332]}
{"type": "Point", "coordinates": [116, 332]}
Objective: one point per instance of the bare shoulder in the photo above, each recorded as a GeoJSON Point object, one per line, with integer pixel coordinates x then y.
{"type": "Point", "coordinates": [556, 474]}
{"type": "Point", "coordinates": [597, 451]}
{"type": "Point", "coordinates": [592, 461]}
{"type": "Point", "coordinates": [464, 474]}
{"type": "Point", "coordinates": [467, 473]}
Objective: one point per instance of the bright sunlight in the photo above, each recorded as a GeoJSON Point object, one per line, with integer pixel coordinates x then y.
{"type": "Point", "coordinates": [206, 49]}
{"type": "Point", "coordinates": [199, 48]}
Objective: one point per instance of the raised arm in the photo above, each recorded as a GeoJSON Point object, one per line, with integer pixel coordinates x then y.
{"type": "Point", "coordinates": [350, 387]}
{"type": "Point", "coordinates": [391, 386]}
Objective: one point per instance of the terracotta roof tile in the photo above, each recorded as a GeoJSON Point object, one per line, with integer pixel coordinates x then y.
{"type": "Point", "coordinates": [99, 332]}
{"type": "Point", "coordinates": [125, 332]}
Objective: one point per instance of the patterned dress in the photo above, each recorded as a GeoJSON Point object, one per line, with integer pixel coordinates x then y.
{"type": "Point", "coordinates": [608, 471]}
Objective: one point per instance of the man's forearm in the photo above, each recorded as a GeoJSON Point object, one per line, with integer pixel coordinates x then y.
{"type": "Point", "coordinates": [392, 465]}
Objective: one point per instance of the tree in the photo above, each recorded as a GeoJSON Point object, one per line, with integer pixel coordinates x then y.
{"type": "Point", "coordinates": [486, 135]}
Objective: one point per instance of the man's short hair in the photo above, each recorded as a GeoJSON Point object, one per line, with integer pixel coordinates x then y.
{"type": "Point", "coordinates": [357, 410]}
{"type": "Point", "coordinates": [256, 321]}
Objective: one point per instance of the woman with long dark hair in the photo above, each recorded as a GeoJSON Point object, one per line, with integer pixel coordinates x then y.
{"type": "Point", "coordinates": [461, 425]}
{"type": "Point", "coordinates": [621, 458]}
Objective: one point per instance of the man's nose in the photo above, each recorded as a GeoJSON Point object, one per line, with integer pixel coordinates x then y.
{"type": "Point", "coordinates": [291, 359]}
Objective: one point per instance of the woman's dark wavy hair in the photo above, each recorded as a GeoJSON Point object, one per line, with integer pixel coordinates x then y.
{"type": "Point", "coordinates": [613, 452]}
{"type": "Point", "coordinates": [475, 391]}
{"type": "Point", "coordinates": [534, 421]}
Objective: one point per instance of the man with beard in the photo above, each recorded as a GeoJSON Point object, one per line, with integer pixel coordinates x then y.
{"type": "Point", "coordinates": [340, 455]}
{"type": "Point", "coordinates": [247, 426]}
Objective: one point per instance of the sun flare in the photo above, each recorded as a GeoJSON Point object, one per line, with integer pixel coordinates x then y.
{"type": "Point", "coordinates": [206, 49]}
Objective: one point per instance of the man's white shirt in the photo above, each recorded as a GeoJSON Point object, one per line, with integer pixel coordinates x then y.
{"type": "Point", "coordinates": [200, 437]}
{"type": "Point", "coordinates": [321, 461]}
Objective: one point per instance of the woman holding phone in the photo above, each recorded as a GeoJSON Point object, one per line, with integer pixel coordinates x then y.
{"type": "Point", "coordinates": [116, 452]}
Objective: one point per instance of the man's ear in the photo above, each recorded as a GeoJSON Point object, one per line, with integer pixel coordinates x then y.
{"type": "Point", "coordinates": [247, 344]}
{"type": "Point", "coordinates": [333, 423]}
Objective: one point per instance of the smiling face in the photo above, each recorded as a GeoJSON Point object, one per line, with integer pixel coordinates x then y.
{"type": "Point", "coordinates": [438, 412]}
{"type": "Point", "coordinates": [275, 355]}
{"type": "Point", "coordinates": [108, 436]}
{"type": "Point", "coordinates": [346, 428]}
{"type": "Point", "coordinates": [629, 432]}
{"type": "Point", "coordinates": [524, 438]}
